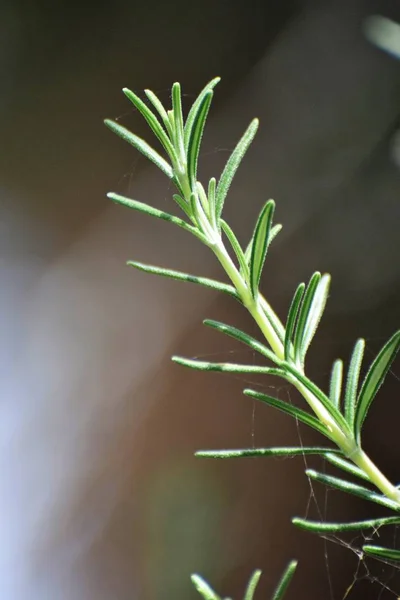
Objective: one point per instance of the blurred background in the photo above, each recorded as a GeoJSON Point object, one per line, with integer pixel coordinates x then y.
{"type": "Point", "coordinates": [101, 496]}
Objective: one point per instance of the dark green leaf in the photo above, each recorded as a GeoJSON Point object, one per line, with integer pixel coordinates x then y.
{"type": "Point", "coordinates": [234, 242]}
{"type": "Point", "coordinates": [183, 205]}
{"type": "Point", "coordinates": [232, 165]}
{"type": "Point", "coordinates": [285, 580]}
{"type": "Point", "coordinates": [291, 320]}
{"type": "Point", "coordinates": [154, 212]}
{"type": "Point", "coordinates": [210, 283]}
{"type": "Point", "coordinates": [203, 588]}
{"type": "Point", "coordinates": [346, 465]}
{"type": "Point", "coordinates": [319, 527]}
{"type": "Point", "coordinates": [350, 398]}
{"type": "Point", "coordinates": [242, 337]}
{"type": "Point", "coordinates": [260, 245]}
{"type": "Point", "coordinates": [255, 452]}
{"type": "Point", "coordinates": [293, 411]}
{"type": "Point", "coordinates": [142, 146]}
{"type": "Point", "coordinates": [303, 315]}
{"type": "Point", "coordinates": [382, 553]}
{"type": "Point", "coordinates": [374, 379]}
{"type": "Point", "coordinates": [352, 488]}
{"type": "Point", "coordinates": [196, 136]}
{"type": "Point", "coordinates": [252, 585]}
{"type": "Point", "coordinates": [272, 235]}
{"type": "Point", "coordinates": [152, 121]}
{"type": "Point", "coordinates": [193, 113]}
{"type": "Point", "coordinates": [335, 387]}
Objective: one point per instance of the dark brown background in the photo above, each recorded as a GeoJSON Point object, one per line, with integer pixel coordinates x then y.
{"type": "Point", "coordinates": [101, 496]}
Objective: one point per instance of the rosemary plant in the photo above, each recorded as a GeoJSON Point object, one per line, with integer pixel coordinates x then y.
{"type": "Point", "coordinates": [339, 413]}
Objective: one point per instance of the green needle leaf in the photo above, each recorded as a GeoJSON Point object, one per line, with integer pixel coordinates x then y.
{"type": "Point", "coordinates": [142, 146]}
{"type": "Point", "coordinates": [203, 588]}
{"type": "Point", "coordinates": [201, 365]}
{"type": "Point", "coordinates": [350, 398]}
{"type": "Point", "coordinates": [196, 135]}
{"type": "Point", "coordinates": [380, 552]}
{"type": "Point", "coordinates": [346, 465]}
{"type": "Point", "coordinates": [252, 585]}
{"type": "Point", "coordinates": [210, 283]}
{"type": "Point", "coordinates": [374, 379]}
{"type": "Point", "coordinates": [211, 200]}
{"type": "Point", "coordinates": [291, 320]}
{"type": "Point", "coordinates": [183, 205]}
{"type": "Point", "coordinates": [234, 242]}
{"type": "Point", "coordinates": [195, 109]}
{"type": "Point", "coordinates": [160, 109]}
{"type": "Point", "coordinates": [335, 386]}
{"type": "Point", "coordinates": [286, 452]}
{"type": "Point", "coordinates": [293, 411]}
{"type": "Point", "coordinates": [285, 580]}
{"type": "Point", "coordinates": [303, 316]}
{"type": "Point", "coordinates": [152, 122]}
{"type": "Point", "coordinates": [154, 212]}
{"type": "Point", "coordinates": [260, 245]}
{"type": "Point", "coordinates": [233, 164]}
{"type": "Point", "coordinates": [178, 117]}
{"type": "Point", "coordinates": [352, 488]}
{"type": "Point", "coordinates": [272, 235]}
{"type": "Point", "coordinates": [319, 527]}
{"type": "Point", "coordinates": [314, 315]}
{"type": "Point", "coordinates": [243, 337]}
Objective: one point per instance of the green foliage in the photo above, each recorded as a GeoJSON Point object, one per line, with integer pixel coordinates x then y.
{"type": "Point", "coordinates": [283, 348]}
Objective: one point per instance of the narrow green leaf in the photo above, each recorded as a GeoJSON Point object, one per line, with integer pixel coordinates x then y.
{"type": "Point", "coordinates": [335, 386]}
{"type": "Point", "coordinates": [211, 200]}
{"type": "Point", "coordinates": [243, 337]}
{"type": "Point", "coordinates": [303, 316]}
{"type": "Point", "coordinates": [374, 379]}
{"type": "Point", "coordinates": [285, 580]}
{"type": "Point", "coordinates": [203, 198]}
{"type": "Point", "coordinates": [142, 146]}
{"type": "Point", "coordinates": [272, 318]}
{"type": "Point", "coordinates": [315, 313]}
{"type": "Point", "coordinates": [286, 452]}
{"type": "Point", "coordinates": [153, 122]}
{"type": "Point", "coordinates": [232, 165]}
{"type": "Point", "coordinates": [191, 118]}
{"type": "Point", "coordinates": [178, 117]}
{"type": "Point", "coordinates": [346, 465]}
{"type": "Point", "coordinates": [154, 212]}
{"type": "Point", "coordinates": [196, 137]}
{"type": "Point", "coordinates": [291, 320]}
{"type": "Point", "coordinates": [296, 378]}
{"type": "Point", "coordinates": [352, 488]}
{"type": "Point", "coordinates": [210, 283]}
{"type": "Point", "coordinates": [252, 585]}
{"type": "Point", "coordinates": [183, 205]}
{"type": "Point", "coordinates": [234, 242]}
{"type": "Point", "coordinates": [260, 245]}
{"type": "Point", "coordinates": [350, 398]}
{"type": "Point", "coordinates": [319, 527]}
{"type": "Point", "coordinates": [383, 553]}
{"type": "Point", "coordinates": [160, 109]}
{"type": "Point", "coordinates": [203, 588]}
{"type": "Point", "coordinates": [201, 365]}
{"type": "Point", "coordinates": [272, 235]}
{"type": "Point", "coordinates": [293, 411]}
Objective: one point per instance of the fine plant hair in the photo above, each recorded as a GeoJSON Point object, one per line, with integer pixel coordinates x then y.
{"type": "Point", "coordinates": [338, 413]}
